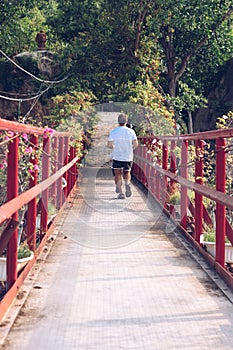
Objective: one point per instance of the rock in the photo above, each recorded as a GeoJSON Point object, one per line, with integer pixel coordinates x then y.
{"type": "Point", "coordinates": [220, 101]}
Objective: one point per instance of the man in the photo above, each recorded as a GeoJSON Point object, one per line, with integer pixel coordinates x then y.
{"type": "Point", "coordinates": [123, 141]}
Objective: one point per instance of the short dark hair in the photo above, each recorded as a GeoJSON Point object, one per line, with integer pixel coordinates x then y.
{"type": "Point", "coordinates": [122, 118]}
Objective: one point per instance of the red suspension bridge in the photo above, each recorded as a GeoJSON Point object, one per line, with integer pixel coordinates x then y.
{"type": "Point", "coordinates": [112, 274]}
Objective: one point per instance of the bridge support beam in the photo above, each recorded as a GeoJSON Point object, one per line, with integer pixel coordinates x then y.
{"type": "Point", "coordinates": [32, 205]}
{"type": "Point", "coordinates": [184, 191]}
{"type": "Point", "coordinates": [12, 192]}
{"type": "Point", "coordinates": [220, 209]}
{"type": "Point", "coordinates": [165, 167]}
{"type": "Point", "coordinates": [199, 197]}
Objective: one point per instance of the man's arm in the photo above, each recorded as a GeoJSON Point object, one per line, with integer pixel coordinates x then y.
{"type": "Point", "coordinates": [135, 144]}
{"type": "Point", "coordinates": [110, 144]}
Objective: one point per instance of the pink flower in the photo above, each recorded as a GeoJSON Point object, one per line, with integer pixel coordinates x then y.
{"type": "Point", "coordinates": [48, 132]}
{"type": "Point", "coordinates": [25, 137]}
{"type": "Point", "coordinates": [9, 135]}
{"type": "Point", "coordinates": [29, 150]}
{"type": "Point", "coordinates": [3, 164]}
{"type": "Point", "coordinates": [34, 167]}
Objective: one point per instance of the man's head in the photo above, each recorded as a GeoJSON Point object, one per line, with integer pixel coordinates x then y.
{"type": "Point", "coordinates": [122, 119]}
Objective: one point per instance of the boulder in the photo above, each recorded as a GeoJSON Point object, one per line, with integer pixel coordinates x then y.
{"type": "Point", "coordinates": [220, 101]}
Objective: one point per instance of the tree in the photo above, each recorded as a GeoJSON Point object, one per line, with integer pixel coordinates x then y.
{"type": "Point", "coordinates": [99, 44]}
{"type": "Point", "coordinates": [189, 27]}
{"type": "Point", "coordinates": [113, 40]}
{"type": "Point", "coordinates": [110, 45]}
{"type": "Point", "coordinates": [20, 21]}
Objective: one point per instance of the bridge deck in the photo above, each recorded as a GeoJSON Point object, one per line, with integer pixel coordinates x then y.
{"type": "Point", "coordinates": [117, 277]}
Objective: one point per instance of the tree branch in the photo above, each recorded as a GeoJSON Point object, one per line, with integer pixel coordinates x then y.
{"type": "Point", "coordinates": [201, 43]}
{"type": "Point", "coordinates": [141, 17]}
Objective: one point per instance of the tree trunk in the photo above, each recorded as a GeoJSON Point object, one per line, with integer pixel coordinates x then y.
{"type": "Point", "coordinates": [190, 123]}
{"type": "Point", "coordinates": [172, 87]}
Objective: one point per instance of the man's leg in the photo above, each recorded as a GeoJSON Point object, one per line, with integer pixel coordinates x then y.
{"type": "Point", "coordinates": [118, 167]}
{"type": "Point", "coordinates": [118, 180]}
{"type": "Point", "coordinates": [127, 178]}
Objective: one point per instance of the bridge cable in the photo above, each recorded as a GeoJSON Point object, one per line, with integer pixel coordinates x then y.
{"type": "Point", "coordinates": [30, 74]}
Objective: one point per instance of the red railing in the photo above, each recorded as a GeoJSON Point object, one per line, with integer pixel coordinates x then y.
{"type": "Point", "coordinates": [56, 162]}
{"type": "Point", "coordinates": [160, 170]}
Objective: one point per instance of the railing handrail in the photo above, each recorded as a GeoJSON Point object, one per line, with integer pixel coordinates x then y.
{"type": "Point", "coordinates": [8, 125]}
{"type": "Point", "coordinates": [10, 207]}
{"type": "Point", "coordinates": [210, 193]}
{"type": "Point", "coordinates": [204, 135]}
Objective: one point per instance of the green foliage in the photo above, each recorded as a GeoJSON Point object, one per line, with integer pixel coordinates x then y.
{"type": "Point", "coordinates": [71, 104]}
{"type": "Point", "coordinates": [73, 112]}
{"type": "Point", "coordinates": [209, 234]}
{"type": "Point", "coordinates": [24, 251]}
{"type": "Point", "coordinates": [152, 117]}
{"type": "Point", "coordinates": [187, 99]}
{"type": "Point", "coordinates": [225, 121]}
{"type": "Point", "coordinates": [111, 45]}
{"type": "Point", "coordinates": [174, 198]}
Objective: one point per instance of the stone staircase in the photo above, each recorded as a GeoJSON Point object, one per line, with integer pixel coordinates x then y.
{"type": "Point", "coordinates": [99, 155]}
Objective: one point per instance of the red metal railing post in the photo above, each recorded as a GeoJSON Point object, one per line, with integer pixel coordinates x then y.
{"type": "Point", "coordinates": [74, 169]}
{"type": "Point", "coordinates": [45, 193]}
{"type": "Point", "coordinates": [184, 191]}
{"type": "Point", "coordinates": [173, 160]}
{"type": "Point", "coordinates": [153, 180]}
{"type": "Point", "coordinates": [173, 170]}
{"type": "Point", "coordinates": [135, 169]}
{"type": "Point", "coordinates": [144, 155]}
{"type": "Point", "coordinates": [149, 173]}
{"type": "Point", "coordinates": [60, 164]}
{"type": "Point", "coordinates": [220, 209]}
{"type": "Point", "coordinates": [72, 175]}
{"type": "Point", "coordinates": [140, 163]}
{"type": "Point", "coordinates": [148, 169]}
{"type": "Point", "coordinates": [32, 206]}
{"type": "Point", "coordinates": [53, 191]}
{"type": "Point", "coordinates": [165, 167]}
{"type": "Point", "coordinates": [66, 157]}
{"type": "Point", "coordinates": [12, 192]}
{"type": "Point", "coordinates": [158, 186]}
{"type": "Point", "coordinates": [198, 197]}
{"type": "Point", "coordinates": [158, 180]}
{"type": "Point", "coordinates": [69, 177]}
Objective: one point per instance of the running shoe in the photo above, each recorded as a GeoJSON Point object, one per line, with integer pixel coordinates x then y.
{"type": "Point", "coordinates": [128, 191]}
{"type": "Point", "coordinates": [121, 196]}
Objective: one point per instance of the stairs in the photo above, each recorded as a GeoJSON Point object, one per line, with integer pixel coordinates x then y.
{"type": "Point", "coordinates": [99, 155]}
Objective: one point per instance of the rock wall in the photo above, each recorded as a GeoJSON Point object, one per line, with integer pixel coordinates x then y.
{"type": "Point", "coordinates": [15, 84]}
{"type": "Point", "coordinates": [220, 102]}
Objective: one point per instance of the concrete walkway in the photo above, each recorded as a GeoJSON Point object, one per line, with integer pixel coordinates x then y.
{"type": "Point", "coordinates": [117, 276]}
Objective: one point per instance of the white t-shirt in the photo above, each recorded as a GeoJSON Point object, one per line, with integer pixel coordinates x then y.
{"type": "Point", "coordinates": [122, 138]}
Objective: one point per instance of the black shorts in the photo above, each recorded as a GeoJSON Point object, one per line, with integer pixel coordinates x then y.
{"type": "Point", "coordinates": [117, 164]}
